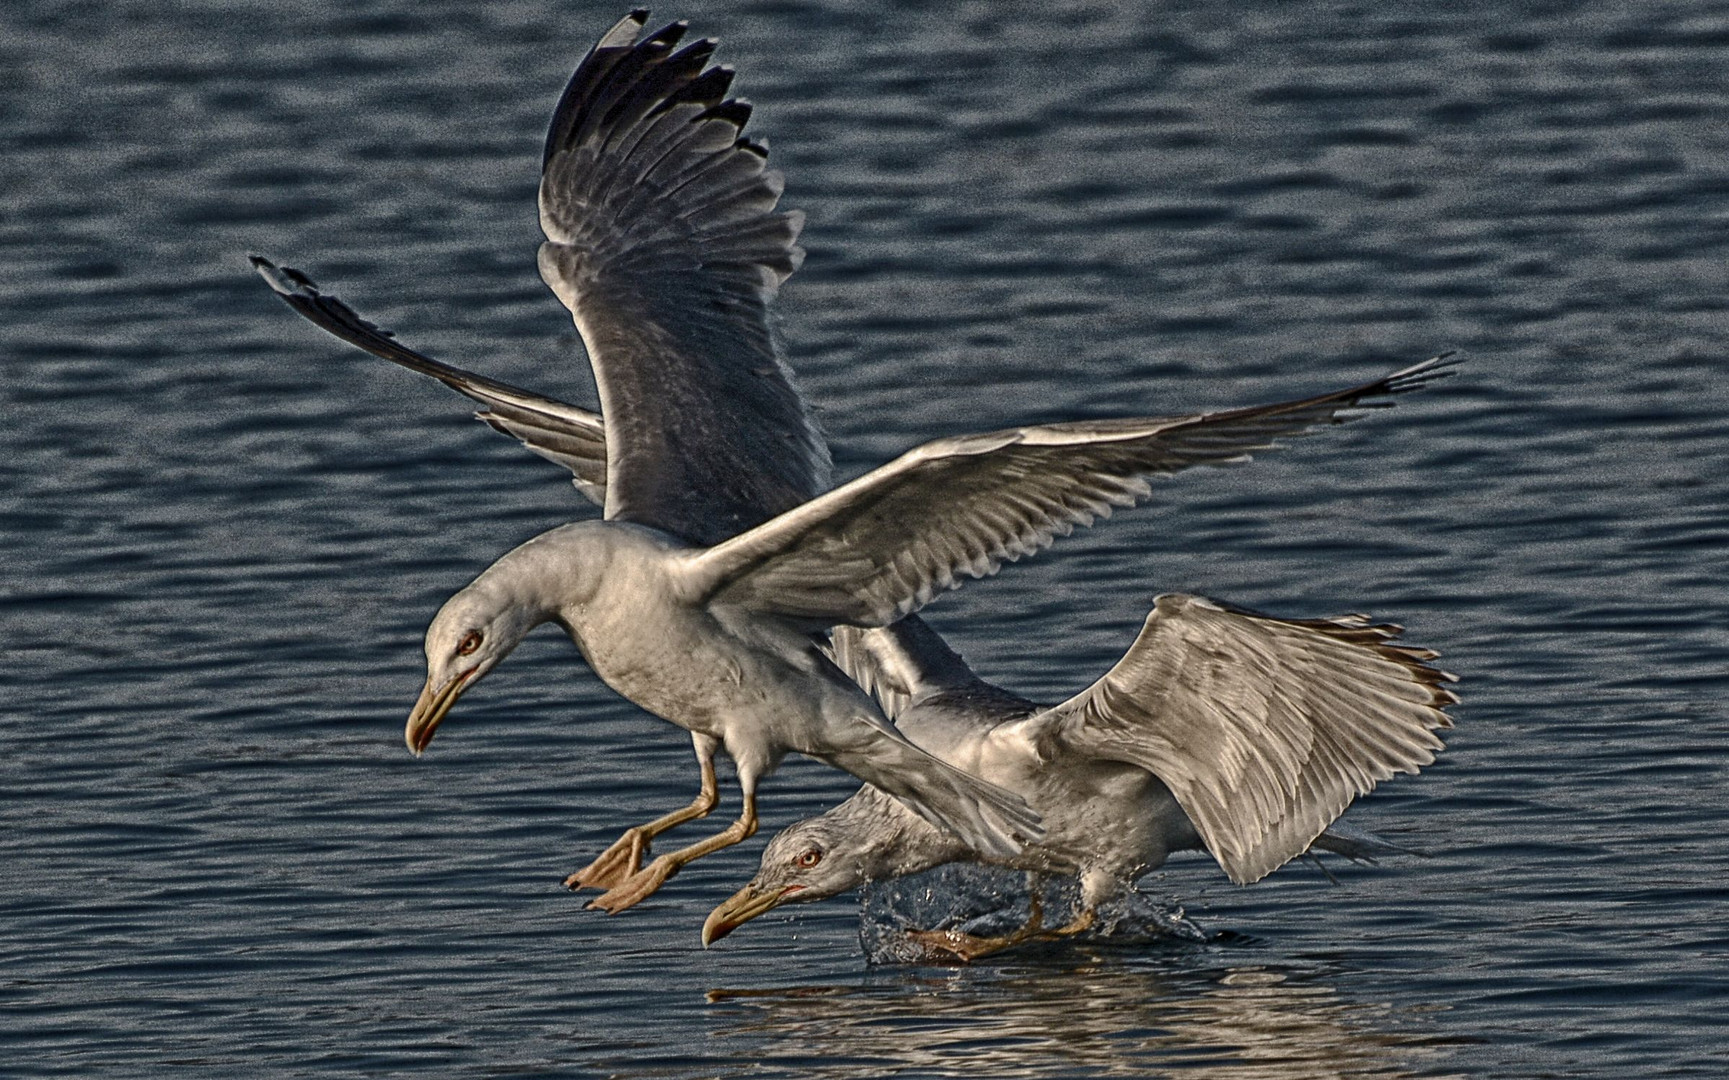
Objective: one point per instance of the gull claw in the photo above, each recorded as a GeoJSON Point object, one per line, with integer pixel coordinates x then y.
{"type": "Point", "coordinates": [966, 948]}
{"type": "Point", "coordinates": [614, 866]}
{"type": "Point", "coordinates": [953, 945]}
{"type": "Point", "coordinates": [636, 888]}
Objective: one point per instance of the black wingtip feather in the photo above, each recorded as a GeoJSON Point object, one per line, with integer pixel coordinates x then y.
{"type": "Point", "coordinates": [662, 80]}
{"type": "Point", "coordinates": [591, 72]}
{"type": "Point", "coordinates": [699, 50]}
{"type": "Point", "coordinates": [644, 78]}
{"type": "Point", "coordinates": [736, 112]}
{"type": "Point", "coordinates": [707, 89]}
{"type": "Point", "coordinates": [328, 312]}
{"type": "Point", "coordinates": [670, 34]}
{"type": "Point", "coordinates": [1442, 366]}
{"type": "Point", "coordinates": [604, 99]}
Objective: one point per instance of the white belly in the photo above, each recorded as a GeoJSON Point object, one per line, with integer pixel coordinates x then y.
{"type": "Point", "coordinates": [757, 686]}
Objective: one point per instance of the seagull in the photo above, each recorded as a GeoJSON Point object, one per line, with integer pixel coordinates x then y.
{"type": "Point", "coordinates": [921, 684]}
{"type": "Point", "coordinates": [721, 559]}
{"type": "Point", "coordinates": [1221, 729]}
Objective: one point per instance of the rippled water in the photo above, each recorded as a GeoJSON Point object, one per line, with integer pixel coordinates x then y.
{"type": "Point", "coordinates": [224, 534]}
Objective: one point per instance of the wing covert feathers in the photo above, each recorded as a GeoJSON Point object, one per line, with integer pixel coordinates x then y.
{"type": "Point", "coordinates": [1264, 729]}
{"type": "Point", "coordinates": [881, 546]}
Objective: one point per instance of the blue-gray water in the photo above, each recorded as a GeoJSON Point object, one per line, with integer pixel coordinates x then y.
{"type": "Point", "coordinates": [223, 533]}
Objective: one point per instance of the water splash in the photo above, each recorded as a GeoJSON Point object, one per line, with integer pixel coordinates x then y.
{"type": "Point", "coordinates": [988, 902]}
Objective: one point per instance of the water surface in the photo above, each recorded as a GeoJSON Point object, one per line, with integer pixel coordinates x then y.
{"type": "Point", "coordinates": [224, 533]}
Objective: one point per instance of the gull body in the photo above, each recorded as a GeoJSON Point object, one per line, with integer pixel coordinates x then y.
{"type": "Point", "coordinates": [721, 558]}
{"type": "Point", "coordinates": [756, 687]}
{"type": "Point", "coordinates": [760, 687]}
{"type": "Point", "coordinates": [1265, 729]}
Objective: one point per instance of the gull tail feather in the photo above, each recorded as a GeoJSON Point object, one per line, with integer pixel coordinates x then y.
{"type": "Point", "coordinates": [1358, 845]}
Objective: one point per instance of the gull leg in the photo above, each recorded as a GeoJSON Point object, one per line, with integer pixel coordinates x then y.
{"type": "Point", "coordinates": [1081, 923]}
{"type": "Point", "coordinates": [618, 862]}
{"type": "Point", "coordinates": [969, 947]}
{"type": "Point", "coordinates": [644, 882]}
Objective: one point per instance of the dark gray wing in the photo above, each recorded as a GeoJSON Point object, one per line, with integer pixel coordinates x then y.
{"type": "Point", "coordinates": [1264, 729]}
{"type": "Point", "coordinates": [907, 665]}
{"type": "Point", "coordinates": [664, 242]}
{"type": "Point", "coordinates": [560, 432]}
{"type": "Point", "coordinates": [881, 546]}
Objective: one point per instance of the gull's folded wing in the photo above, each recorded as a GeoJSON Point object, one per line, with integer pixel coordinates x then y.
{"type": "Point", "coordinates": [664, 242]}
{"type": "Point", "coordinates": [561, 433]}
{"type": "Point", "coordinates": [1264, 729]}
{"type": "Point", "coordinates": [909, 662]}
{"type": "Point", "coordinates": [990, 819]}
{"type": "Point", "coordinates": [881, 546]}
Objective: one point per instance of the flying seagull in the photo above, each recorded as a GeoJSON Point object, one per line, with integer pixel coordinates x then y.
{"type": "Point", "coordinates": [933, 697]}
{"type": "Point", "coordinates": [1221, 729]}
{"type": "Point", "coordinates": [702, 593]}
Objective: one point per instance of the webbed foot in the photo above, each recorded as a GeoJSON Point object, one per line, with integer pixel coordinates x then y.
{"type": "Point", "coordinates": [637, 887]}
{"type": "Point", "coordinates": [615, 865]}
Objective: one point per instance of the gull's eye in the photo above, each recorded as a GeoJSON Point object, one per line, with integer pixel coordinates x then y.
{"type": "Point", "coordinates": [808, 859]}
{"type": "Point", "coordinates": [470, 642]}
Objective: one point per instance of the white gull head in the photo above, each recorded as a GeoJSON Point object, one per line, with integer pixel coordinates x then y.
{"type": "Point", "coordinates": [479, 626]}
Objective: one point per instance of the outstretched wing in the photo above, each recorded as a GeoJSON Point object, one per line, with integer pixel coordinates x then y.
{"type": "Point", "coordinates": [1264, 729]}
{"type": "Point", "coordinates": [664, 242]}
{"type": "Point", "coordinates": [560, 432]}
{"type": "Point", "coordinates": [881, 546]}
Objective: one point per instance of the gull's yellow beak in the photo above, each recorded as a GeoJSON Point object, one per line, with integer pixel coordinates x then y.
{"type": "Point", "coordinates": [429, 711]}
{"type": "Point", "coordinates": [741, 907]}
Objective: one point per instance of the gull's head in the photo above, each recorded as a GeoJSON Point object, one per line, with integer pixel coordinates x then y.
{"type": "Point", "coordinates": [475, 629]}
{"type": "Point", "coordinates": [813, 859]}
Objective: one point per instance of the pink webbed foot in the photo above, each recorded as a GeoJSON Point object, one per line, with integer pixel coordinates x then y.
{"type": "Point", "coordinates": [614, 866]}
{"type": "Point", "coordinates": [637, 887]}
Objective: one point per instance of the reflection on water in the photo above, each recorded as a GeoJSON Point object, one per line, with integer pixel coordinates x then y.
{"type": "Point", "coordinates": [1095, 1014]}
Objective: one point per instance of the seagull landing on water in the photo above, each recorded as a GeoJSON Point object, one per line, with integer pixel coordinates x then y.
{"type": "Point", "coordinates": [1222, 730]}
{"type": "Point", "coordinates": [703, 593]}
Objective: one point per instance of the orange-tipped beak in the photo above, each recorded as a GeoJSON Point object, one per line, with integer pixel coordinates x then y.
{"type": "Point", "coordinates": [741, 907]}
{"type": "Point", "coordinates": [429, 710]}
